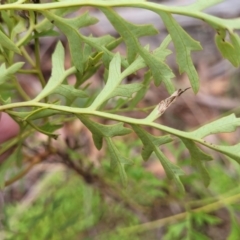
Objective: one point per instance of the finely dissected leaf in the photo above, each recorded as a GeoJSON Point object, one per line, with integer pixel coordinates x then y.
{"type": "Point", "coordinates": [76, 40]}
{"type": "Point", "coordinates": [45, 24]}
{"type": "Point", "coordinates": [184, 44]}
{"type": "Point", "coordinates": [46, 129]}
{"type": "Point", "coordinates": [69, 92]}
{"type": "Point", "coordinates": [126, 90]}
{"type": "Point", "coordinates": [83, 20]}
{"type": "Point", "coordinates": [99, 130]}
{"type": "Point", "coordinates": [130, 33]}
{"type": "Point", "coordinates": [57, 72]}
{"type": "Point", "coordinates": [7, 73]}
{"type": "Point", "coordinates": [117, 160]}
{"type": "Point", "coordinates": [162, 52]}
{"type": "Point", "coordinates": [141, 93]}
{"type": "Point", "coordinates": [197, 157]}
{"type": "Point", "coordinates": [151, 144]}
{"type": "Point", "coordinates": [134, 66]}
{"type": "Point", "coordinates": [114, 79]}
{"type": "Point", "coordinates": [70, 28]}
{"type": "Point", "coordinates": [150, 141]}
{"type": "Point", "coordinates": [160, 71]}
{"type": "Point", "coordinates": [225, 124]}
{"type": "Point", "coordinates": [90, 59]}
{"type": "Point", "coordinates": [229, 51]}
{"type": "Point", "coordinates": [8, 43]}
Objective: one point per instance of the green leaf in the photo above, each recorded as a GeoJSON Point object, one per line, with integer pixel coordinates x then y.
{"type": "Point", "coordinates": [83, 20]}
{"type": "Point", "coordinates": [229, 50]}
{"type": "Point", "coordinates": [69, 92]}
{"type": "Point", "coordinates": [46, 129]}
{"type": "Point", "coordinates": [162, 52]}
{"type": "Point", "coordinates": [126, 90]}
{"type": "Point", "coordinates": [141, 93]}
{"type": "Point", "coordinates": [130, 32]}
{"type": "Point", "coordinates": [201, 218]}
{"type": "Point", "coordinates": [114, 78]}
{"type": "Point", "coordinates": [197, 157]}
{"type": "Point", "coordinates": [45, 24]}
{"type": "Point", "coordinates": [58, 72]}
{"type": "Point", "coordinates": [231, 151]}
{"type": "Point", "coordinates": [117, 160]}
{"type": "Point", "coordinates": [235, 230]}
{"type": "Point", "coordinates": [151, 144]}
{"type": "Point", "coordinates": [160, 70]}
{"type": "Point", "coordinates": [225, 124]}
{"type": "Point", "coordinates": [184, 44]}
{"type": "Point", "coordinates": [199, 236]}
{"type": "Point", "coordinates": [6, 100]}
{"type": "Point", "coordinates": [70, 28]}
{"type": "Point", "coordinates": [7, 165]}
{"type": "Point", "coordinates": [175, 230]}
{"type": "Point", "coordinates": [47, 33]}
{"type": "Point", "coordinates": [7, 73]}
{"type": "Point", "coordinates": [8, 43]}
{"type": "Point", "coordinates": [18, 28]}
{"type": "Point", "coordinates": [99, 130]}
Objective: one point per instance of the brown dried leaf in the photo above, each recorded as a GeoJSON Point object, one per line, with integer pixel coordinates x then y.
{"type": "Point", "coordinates": [166, 103]}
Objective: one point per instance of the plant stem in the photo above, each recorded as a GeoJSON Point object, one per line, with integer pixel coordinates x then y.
{"type": "Point", "coordinates": [186, 11]}
{"type": "Point", "coordinates": [161, 222]}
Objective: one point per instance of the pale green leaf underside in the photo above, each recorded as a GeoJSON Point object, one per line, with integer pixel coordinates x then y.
{"type": "Point", "coordinates": [114, 79]}
{"type": "Point", "coordinates": [225, 124]}
{"type": "Point", "coordinates": [7, 73]}
{"type": "Point", "coordinates": [57, 72]}
{"type": "Point", "coordinates": [184, 44]}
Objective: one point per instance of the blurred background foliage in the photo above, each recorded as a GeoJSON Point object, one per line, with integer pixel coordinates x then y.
{"type": "Point", "coordinates": [61, 204]}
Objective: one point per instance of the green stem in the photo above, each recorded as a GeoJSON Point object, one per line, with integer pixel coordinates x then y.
{"type": "Point", "coordinates": [20, 90]}
{"type": "Point", "coordinates": [186, 11]}
{"type": "Point", "coordinates": [28, 58]}
{"type": "Point", "coordinates": [128, 120]}
{"type": "Point", "coordinates": [161, 222]}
